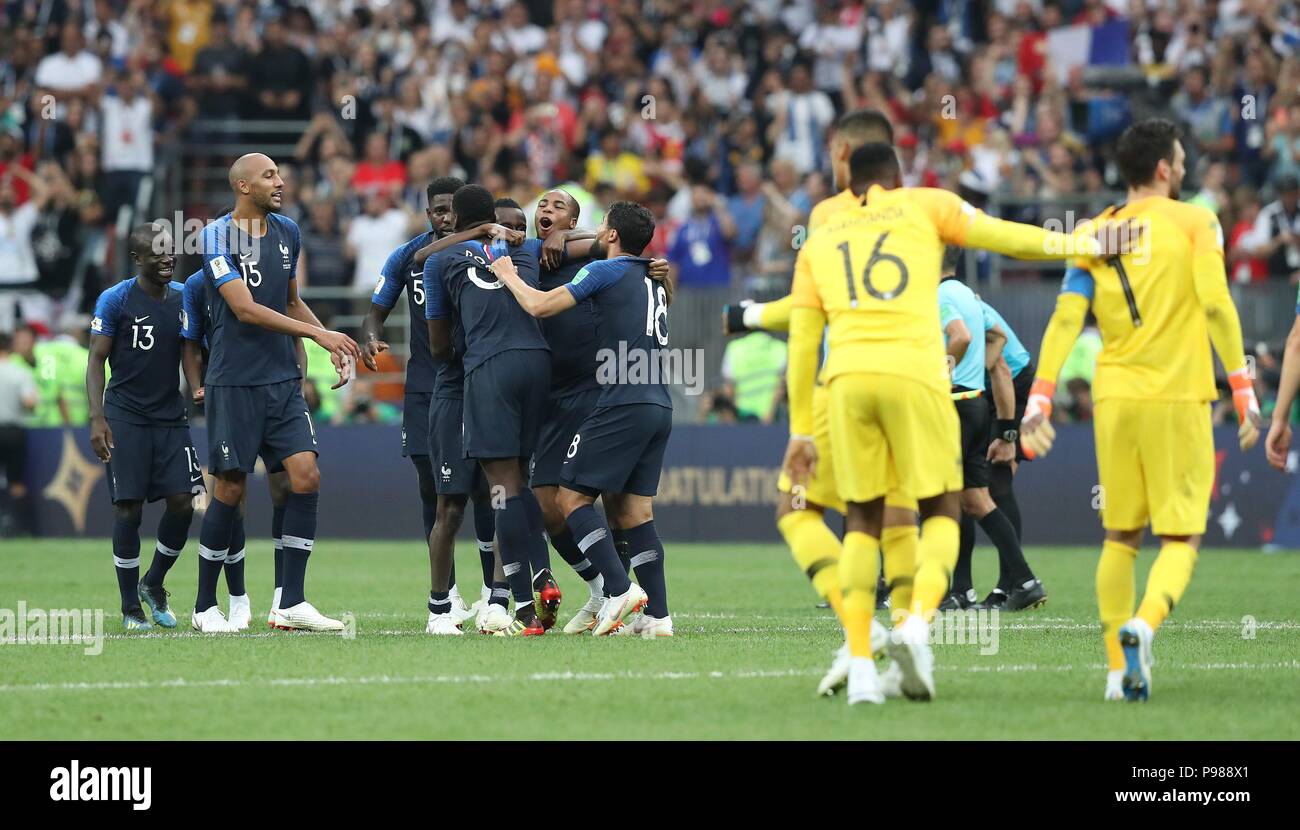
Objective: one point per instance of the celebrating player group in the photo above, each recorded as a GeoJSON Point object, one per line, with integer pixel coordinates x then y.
{"type": "Point", "coordinates": [912, 402]}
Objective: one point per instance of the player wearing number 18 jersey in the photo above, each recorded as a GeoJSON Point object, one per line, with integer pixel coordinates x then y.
{"type": "Point", "coordinates": [139, 425]}
{"type": "Point", "coordinates": [872, 282]}
{"type": "Point", "coordinates": [617, 452]}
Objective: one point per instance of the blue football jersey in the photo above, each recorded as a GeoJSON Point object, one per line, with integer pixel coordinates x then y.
{"type": "Point", "coordinates": [957, 301]}
{"type": "Point", "coordinates": [241, 354]}
{"type": "Point", "coordinates": [632, 333]}
{"type": "Point", "coordinates": [490, 320]}
{"type": "Point", "coordinates": [1014, 352]}
{"type": "Point", "coordinates": [397, 274]}
{"type": "Point", "coordinates": [572, 335]}
{"type": "Point", "coordinates": [197, 308]}
{"type": "Point", "coordinates": [145, 357]}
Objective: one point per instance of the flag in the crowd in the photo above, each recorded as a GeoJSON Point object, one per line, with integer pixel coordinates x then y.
{"type": "Point", "coordinates": [1070, 47]}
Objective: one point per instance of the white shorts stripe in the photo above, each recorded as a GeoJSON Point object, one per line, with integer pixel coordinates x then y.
{"type": "Point", "coordinates": [592, 538]}
{"type": "Point", "coordinates": [297, 542]}
{"type": "Point", "coordinates": [213, 555]}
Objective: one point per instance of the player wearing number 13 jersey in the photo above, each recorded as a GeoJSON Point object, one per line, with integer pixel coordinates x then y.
{"type": "Point", "coordinates": [138, 425]}
{"type": "Point", "coordinates": [872, 281]}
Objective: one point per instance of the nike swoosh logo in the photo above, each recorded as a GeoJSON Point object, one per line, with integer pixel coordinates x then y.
{"type": "Point", "coordinates": [142, 319]}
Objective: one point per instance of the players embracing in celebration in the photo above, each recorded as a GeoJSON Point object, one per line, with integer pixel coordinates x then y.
{"type": "Point", "coordinates": [139, 425]}
{"type": "Point", "coordinates": [253, 386]}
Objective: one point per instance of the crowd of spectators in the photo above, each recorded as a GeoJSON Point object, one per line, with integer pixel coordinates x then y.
{"type": "Point", "coordinates": [714, 113]}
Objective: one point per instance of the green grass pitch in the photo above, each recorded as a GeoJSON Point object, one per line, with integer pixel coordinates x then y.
{"type": "Point", "coordinates": [749, 650]}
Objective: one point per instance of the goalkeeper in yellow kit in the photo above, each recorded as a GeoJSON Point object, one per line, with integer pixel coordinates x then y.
{"type": "Point", "coordinates": [799, 515]}
{"type": "Point", "coordinates": [1159, 308]}
{"type": "Point", "coordinates": [872, 281]}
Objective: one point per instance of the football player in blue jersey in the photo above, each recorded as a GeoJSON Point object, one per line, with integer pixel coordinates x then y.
{"type": "Point", "coordinates": [193, 361]}
{"type": "Point", "coordinates": [138, 425]}
{"type": "Point", "coordinates": [617, 451]}
{"type": "Point", "coordinates": [253, 388]}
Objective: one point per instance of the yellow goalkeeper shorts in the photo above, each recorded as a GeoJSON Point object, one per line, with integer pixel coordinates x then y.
{"type": "Point", "coordinates": [1155, 462]}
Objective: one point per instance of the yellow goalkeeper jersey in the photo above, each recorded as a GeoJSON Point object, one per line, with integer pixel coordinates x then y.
{"type": "Point", "coordinates": [1150, 304]}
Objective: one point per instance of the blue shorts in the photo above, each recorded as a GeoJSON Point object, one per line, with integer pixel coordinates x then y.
{"type": "Point", "coordinates": [244, 422]}
{"type": "Point", "coordinates": [152, 462]}
{"type": "Point", "coordinates": [415, 424]}
{"type": "Point", "coordinates": [505, 401]}
{"type": "Point", "coordinates": [563, 418]}
{"type": "Point", "coordinates": [618, 449]}
{"type": "Point", "coordinates": [453, 473]}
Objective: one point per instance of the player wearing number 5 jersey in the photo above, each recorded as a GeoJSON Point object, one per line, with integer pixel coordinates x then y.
{"type": "Point", "coordinates": [618, 450]}
{"type": "Point", "coordinates": [1159, 309]}
{"type": "Point", "coordinates": [872, 282]}
{"type": "Point", "coordinates": [139, 425]}
{"type": "Point", "coordinates": [253, 391]}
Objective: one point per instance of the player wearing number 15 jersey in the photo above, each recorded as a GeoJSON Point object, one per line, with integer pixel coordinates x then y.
{"type": "Point", "coordinates": [618, 450]}
{"type": "Point", "coordinates": [253, 386]}
{"type": "Point", "coordinates": [139, 425]}
{"type": "Point", "coordinates": [1159, 309]}
{"type": "Point", "coordinates": [872, 282]}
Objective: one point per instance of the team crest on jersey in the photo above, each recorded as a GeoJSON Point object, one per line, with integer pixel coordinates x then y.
{"type": "Point", "coordinates": [185, 319]}
{"type": "Point", "coordinates": [446, 473]}
{"type": "Point", "coordinates": [225, 451]}
{"type": "Point", "coordinates": [284, 252]}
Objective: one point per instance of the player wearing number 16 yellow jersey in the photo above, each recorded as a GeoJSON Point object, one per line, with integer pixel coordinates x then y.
{"type": "Point", "coordinates": [1159, 308]}
{"type": "Point", "coordinates": [872, 277]}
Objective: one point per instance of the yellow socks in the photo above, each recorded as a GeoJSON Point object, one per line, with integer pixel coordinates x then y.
{"type": "Point", "coordinates": [1167, 582]}
{"type": "Point", "coordinates": [817, 552]}
{"type": "Point", "coordinates": [936, 555]}
{"type": "Point", "coordinates": [859, 569]}
{"type": "Point", "coordinates": [1115, 596]}
{"type": "Point", "coordinates": [899, 545]}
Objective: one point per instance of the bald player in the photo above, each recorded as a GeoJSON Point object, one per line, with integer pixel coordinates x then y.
{"type": "Point", "coordinates": [253, 392]}
{"type": "Point", "coordinates": [799, 513]}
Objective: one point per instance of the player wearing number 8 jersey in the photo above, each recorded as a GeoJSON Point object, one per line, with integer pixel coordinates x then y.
{"type": "Point", "coordinates": [617, 452]}
{"type": "Point", "coordinates": [872, 280]}
{"type": "Point", "coordinates": [1159, 309]}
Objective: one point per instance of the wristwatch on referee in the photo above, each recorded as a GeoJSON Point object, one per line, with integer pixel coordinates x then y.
{"type": "Point", "coordinates": [1008, 429]}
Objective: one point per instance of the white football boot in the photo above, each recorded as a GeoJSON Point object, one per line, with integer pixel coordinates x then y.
{"type": "Point", "coordinates": [891, 681]}
{"type": "Point", "coordinates": [838, 674]}
{"type": "Point", "coordinates": [495, 620]}
{"type": "Point", "coordinates": [1114, 685]}
{"type": "Point", "coordinates": [443, 624]}
{"type": "Point", "coordinates": [864, 682]}
{"type": "Point", "coordinates": [459, 609]}
{"type": "Point", "coordinates": [909, 647]}
{"type": "Point", "coordinates": [305, 617]}
{"type": "Point", "coordinates": [211, 621]}
{"type": "Point", "coordinates": [1135, 637]}
{"type": "Point", "coordinates": [619, 609]}
{"type": "Point", "coordinates": [647, 627]}
{"type": "Point", "coordinates": [275, 606]}
{"type": "Point", "coordinates": [241, 612]}
{"type": "Point", "coordinates": [585, 619]}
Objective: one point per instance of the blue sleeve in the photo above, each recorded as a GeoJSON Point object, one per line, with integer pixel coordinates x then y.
{"type": "Point", "coordinates": [1078, 281]}
{"type": "Point", "coordinates": [594, 277]}
{"type": "Point", "coordinates": [534, 247]}
{"type": "Point", "coordinates": [107, 309]}
{"type": "Point", "coordinates": [192, 301]}
{"type": "Point", "coordinates": [391, 279]}
{"type": "Point", "coordinates": [218, 264]}
{"type": "Point", "coordinates": [434, 299]}
{"type": "Point", "coordinates": [296, 249]}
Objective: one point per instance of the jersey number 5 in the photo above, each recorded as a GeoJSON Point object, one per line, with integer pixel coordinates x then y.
{"type": "Point", "coordinates": [876, 258]}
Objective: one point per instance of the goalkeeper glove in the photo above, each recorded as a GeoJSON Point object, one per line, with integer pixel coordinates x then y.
{"type": "Point", "coordinates": [733, 317]}
{"type": "Point", "coordinates": [1247, 406]}
{"type": "Point", "coordinates": [1036, 430]}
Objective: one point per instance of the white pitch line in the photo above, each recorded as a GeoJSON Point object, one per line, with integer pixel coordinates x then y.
{"type": "Point", "coordinates": [581, 677]}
